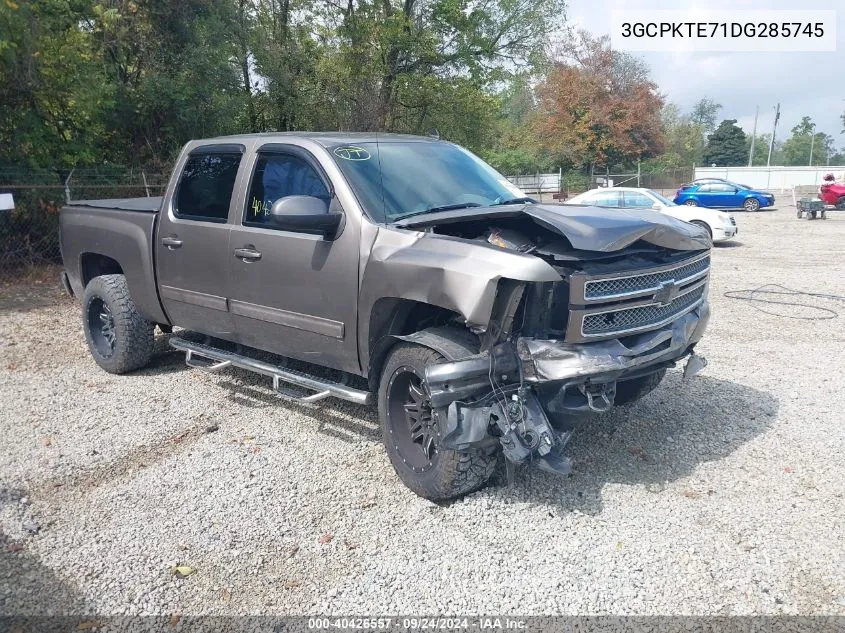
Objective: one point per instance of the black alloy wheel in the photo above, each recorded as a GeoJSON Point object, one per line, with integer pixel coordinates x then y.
{"type": "Point", "coordinates": [101, 327]}
{"type": "Point", "coordinates": [412, 426]}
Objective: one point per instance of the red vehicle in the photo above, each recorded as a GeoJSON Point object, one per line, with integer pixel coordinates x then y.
{"type": "Point", "coordinates": [832, 192]}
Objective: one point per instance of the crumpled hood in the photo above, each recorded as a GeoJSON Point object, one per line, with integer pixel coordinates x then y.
{"type": "Point", "coordinates": [587, 228]}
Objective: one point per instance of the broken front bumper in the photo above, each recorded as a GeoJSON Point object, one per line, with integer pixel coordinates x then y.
{"type": "Point", "coordinates": [548, 361]}
{"type": "Point", "coordinates": [522, 395]}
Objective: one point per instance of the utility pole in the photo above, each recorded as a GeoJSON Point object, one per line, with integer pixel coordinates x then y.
{"type": "Point", "coordinates": [753, 135]}
{"type": "Point", "coordinates": [772, 140]}
{"type": "Point", "coordinates": [812, 142]}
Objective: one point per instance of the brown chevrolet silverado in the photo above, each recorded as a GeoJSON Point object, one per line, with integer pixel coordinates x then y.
{"type": "Point", "coordinates": [399, 271]}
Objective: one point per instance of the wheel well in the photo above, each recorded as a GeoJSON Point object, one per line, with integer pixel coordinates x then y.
{"type": "Point", "coordinates": [705, 225]}
{"type": "Point", "coordinates": [95, 265]}
{"type": "Point", "coordinates": [397, 317]}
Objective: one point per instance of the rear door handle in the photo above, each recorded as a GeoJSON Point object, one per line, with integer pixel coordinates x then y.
{"type": "Point", "coordinates": [171, 242]}
{"type": "Point", "coordinates": [247, 254]}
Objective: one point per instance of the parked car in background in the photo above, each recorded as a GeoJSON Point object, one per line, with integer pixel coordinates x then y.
{"type": "Point", "coordinates": [723, 195]}
{"type": "Point", "coordinates": [833, 193]}
{"type": "Point", "coordinates": [706, 181]}
{"type": "Point", "coordinates": [720, 225]}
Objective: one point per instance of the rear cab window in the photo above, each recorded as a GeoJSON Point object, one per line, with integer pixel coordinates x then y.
{"type": "Point", "coordinates": [206, 184]}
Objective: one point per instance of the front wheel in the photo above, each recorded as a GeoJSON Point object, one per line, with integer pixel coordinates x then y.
{"type": "Point", "coordinates": [752, 204]}
{"type": "Point", "coordinates": [411, 434]}
{"type": "Point", "coordinates": [840, 204]}
{"type": "Point", "coordinates": [120, 339]}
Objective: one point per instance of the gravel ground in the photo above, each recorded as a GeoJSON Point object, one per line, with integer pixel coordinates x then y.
{"type": "Point", "coordinates": [720, 495]}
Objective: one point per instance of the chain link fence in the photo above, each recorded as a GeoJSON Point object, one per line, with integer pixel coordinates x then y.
{"type": "Point", "coordinates": [29, 220]}
{"type": "Point", "coordinates": [29, 230]}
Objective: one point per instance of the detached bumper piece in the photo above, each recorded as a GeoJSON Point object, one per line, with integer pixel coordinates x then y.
{"type": "Point", "coordinates": [522, 427]}
{"type": "Point", "coordinates": [526, 394]}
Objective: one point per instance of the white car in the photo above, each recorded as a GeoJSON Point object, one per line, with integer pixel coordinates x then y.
{"type": "Point", "coordinates": [719, 224]}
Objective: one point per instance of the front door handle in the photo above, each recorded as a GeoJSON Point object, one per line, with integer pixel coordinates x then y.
{"type": "Point", "coordinates": [171, 242]}
{"type": "Point", "coordinates": [247, 254]}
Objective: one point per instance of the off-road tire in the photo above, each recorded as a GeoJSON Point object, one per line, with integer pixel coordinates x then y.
{"type": "Point", "coordinates": [752, 205]}
{"type": "Point", "coordinates": [628, 391]}
{"type": "Point", "coordinates": [704, 226]}
{"type": "Point", "coordinates": [452, 473]}
{"type": "Point", "coordinates": [134, 336]}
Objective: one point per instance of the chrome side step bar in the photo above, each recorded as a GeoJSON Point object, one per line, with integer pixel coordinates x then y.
{"type": "Point", "coordinates": [212, 359]}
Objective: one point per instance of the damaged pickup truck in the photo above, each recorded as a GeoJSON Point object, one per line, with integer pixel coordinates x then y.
{"type": "Point", "coordinates": [399, 271]}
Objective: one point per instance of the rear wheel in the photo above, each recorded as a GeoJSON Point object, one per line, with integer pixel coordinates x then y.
{"type": "Point", "coordinates": [691, 203]}
{"type": "Point", "coordinates": [840, 204]}
{"type": "Point", "coordinates": [120, 339]}
{"type": "Point", "coordinates": [752, 204]}
{"type": "Point", "coordinates": [411, 435]}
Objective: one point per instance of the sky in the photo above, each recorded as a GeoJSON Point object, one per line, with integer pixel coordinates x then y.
{"type": "Point", "coordinates": [806, 84]}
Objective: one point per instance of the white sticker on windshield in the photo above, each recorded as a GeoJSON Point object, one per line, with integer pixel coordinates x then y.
{"type": "Point", "coordinates": [351, 152]}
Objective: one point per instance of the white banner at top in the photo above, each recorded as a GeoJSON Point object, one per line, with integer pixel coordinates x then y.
{"type": "Point", "coordinates": [701, 29]}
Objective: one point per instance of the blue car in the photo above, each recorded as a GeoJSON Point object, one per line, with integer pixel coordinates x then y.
{"type": "Point", "coordinates": [723, 195]}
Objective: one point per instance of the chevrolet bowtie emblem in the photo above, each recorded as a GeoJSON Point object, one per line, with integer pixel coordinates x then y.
{"type": "Point", "coordinates": [667, 293]}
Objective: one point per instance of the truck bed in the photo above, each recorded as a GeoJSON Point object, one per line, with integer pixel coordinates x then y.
{"type": "Point", "coordinates": [116, 235]}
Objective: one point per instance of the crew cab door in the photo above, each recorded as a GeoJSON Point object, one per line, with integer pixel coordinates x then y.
{"type": "Point", "coordinates": [293, 293]}
{"type": "Point", "coordinates": [192, 241]}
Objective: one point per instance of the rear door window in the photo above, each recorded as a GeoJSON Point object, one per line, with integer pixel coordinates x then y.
{"type": "Point", "coordinates": [278, 176]}
{"type": "Point", "coordinates": [637, 200]}
{"type": "Point", "coordinates": [606, 199]}
{"type": "Point", "coordinates": [206, 185]}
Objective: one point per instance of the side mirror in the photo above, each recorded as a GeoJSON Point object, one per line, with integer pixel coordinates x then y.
{"type": "Point", "coordinates": [305, 214]}
{"type": "Point", "coordinates": [656, 206]}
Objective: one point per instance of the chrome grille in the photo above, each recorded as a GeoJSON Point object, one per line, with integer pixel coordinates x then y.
{"type": "Point", "coordinates": [620, 321]}
{"type": "Point", "coordinates": [635, 284]}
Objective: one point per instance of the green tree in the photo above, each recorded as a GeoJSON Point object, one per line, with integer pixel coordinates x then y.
{"type": "Point", "coordinates": [726, 145]}
{"type": "Point", "coordinates": [684, 138]}
{"type": "Point", "coordinates": [86, 82]}
{"type": "Point", "coordinates": [386, 47]}
{"type": "Point", "coordinates": [53, 91]}
{"type": "Point", "coordinates": [704, 113]}
{"type": "Point", "coordinates": [761, 150]}
{"type": "Point", "coordinates": [797, 148]}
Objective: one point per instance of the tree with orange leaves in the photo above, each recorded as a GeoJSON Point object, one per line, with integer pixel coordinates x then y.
{"type": "Point", "coordinates": [598, 106]}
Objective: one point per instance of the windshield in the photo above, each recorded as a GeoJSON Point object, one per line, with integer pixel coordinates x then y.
{"type": "Point", "coordinates": [662, 199]}
{"type": "Point", "coordinates": [398, 179]}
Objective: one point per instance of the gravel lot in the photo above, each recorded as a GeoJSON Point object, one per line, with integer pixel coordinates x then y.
{"type": "Point", "coordinates": [720, 495]}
